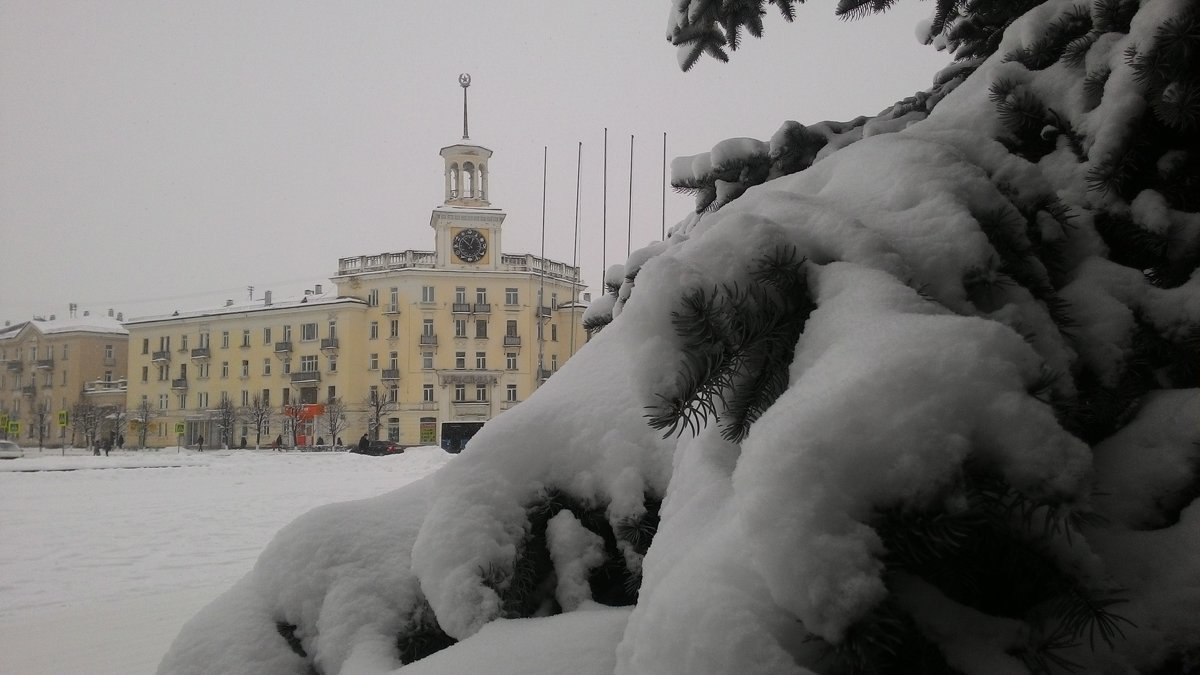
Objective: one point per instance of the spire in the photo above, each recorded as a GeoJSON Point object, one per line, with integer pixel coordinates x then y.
{"type": "Point", "coordinates": [464, 80]}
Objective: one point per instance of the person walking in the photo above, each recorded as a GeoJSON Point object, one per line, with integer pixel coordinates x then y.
{"type": "Point", "coordinates": [363, 443]}
{"type": "Point", "coordinates": [200, 442]}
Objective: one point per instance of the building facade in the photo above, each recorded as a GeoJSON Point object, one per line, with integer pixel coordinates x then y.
{"type": "Point", "coordinates": [420, 347]}
{"type": "Point", "coordinates": [52, 365]}
{"type": "Point", "coordinates": [287, 356]}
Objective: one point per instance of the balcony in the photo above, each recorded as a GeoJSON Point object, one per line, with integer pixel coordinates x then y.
{"type": "Point", "coordinates": [306, 376]}
{"type": "Point", "coordinates": [283, 347]}
{"type": "Point", "coordinates": [45, 364]}
{"type": "Point", "coordinates": [161, 355]}
{"type": "Point", "coordinates": [470, 409]}
{"type": "Point", "coordinates": [103, 386]}
{"type": "Point", "coordinates": [543, 311]}
{"type": "Point", "coordinates": [201, 353]}
{"type": "Point", "coordinates": [483, 308]}
{"type": "Point", "coordinates": [179, 383]}
{"type": "Point", "coordinates": [461, 308]}
{"type": "Point", "coordinates": [15, 366]}
{"type": "Point", "coordinates": [512, 340]}
{"type": "Point", "coordinates": [391, 373]}
{"type": "Point", "coordinates": [506, 405]}
{"type": "Point", "coordinates": [29, 390]}
{"type": "Point", "coordinates": [329, 344]}
{"type": "Point", "coordinates": [392, 309]}
{"type": "Point", "coordinates": [544, 374]}
{"type": "Point", "coordinates": [428, 341]}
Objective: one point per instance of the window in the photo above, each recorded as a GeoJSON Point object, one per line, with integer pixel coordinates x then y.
{"type": "Point", "coordinates": [64, 358]}
{"type": "Point", "coordinates": [393, 394]}
{"type": "Point", "coordinates": [481, 392]}
{"type": "Point", "coordinates": [287, 333]}
{"type": "Point", "coordinates": [373, 298]}
{"type": "Point", "coordinates": [204, 340]}
{"type": "Point", "coordinates": [108, 351]}
{"type": "Point", "coordinates": [224, 369]}
{"type": "Point", "coordinates": [267, 366]}
{"type": "Point", "coordinates": [460, 360]}
{"type": "Point", "coordinates": [394, 328]}
{"type": "Point", "coordinates": [374, 362]}
{"type": "Point", "coordinates": [308, 331]}
{"type": "Point", "coordinates": [266, 398]}
{"type": "Point", "coordinates": [481, 360]}
{"type": "Point", "coordinates": [427, 360]}
{"type": "Point", "coordinates": [393, 431]}
{"type": "Point", "coordinates": [145, 345]}
{"type": "Point", "coordinates": [202, 370]}
{"type": "Point", "coordinates": [245, 337]}
{"type": "Point", "coordinates": [183, 401]}
{"type": "Point", "coordinates": [427, 294]}
{"type": "Point", "coordinates": [393, 299]}
{"type": "Point", "coordinates": [332, 329]}
{"type": "Point", "coordinates": [267, 335]}
{"type": "Point", "coordinates": [224, 339]}
{"type": "Point", "coordinates": [145, 373]}
{"type": "Point", "coordinates": [308, 364]}
{"type": "Point", "coordinates": [510, 392]}
{"type": "Point", "coordinates": [202, 399]}
{"type": "Point", "coordinates": [287, 366]}
{"type": "Point", "coordinates": [394, 360]}
{"type": "Point", "coordinates": [164, 343]}
{"type": "Point", "coordinates": [510, 361]}
{"type": "Point", "coordinates": [373, 397]}
{"type": "Point", "coordinates": [331, 393]}
{"type": "Point", "coordinates": [554, 301]}
{"type": "Point", "coordinates": [460, 328]}
{"type": "Point", "coordinates": [481, 296]}
{"type": "Point", "coordinates": [554, 363]}
{"type": "Point", "coordinates": [373, 332]}
{"type": "Point", "coordinates": [510, 328]}
{"type": "Point", "coordinates": [427, 327]}
{"type": "Point", "coordinates": [460, 392]}
{"type": "Point", "coordinates": [554, 332]}
{"type": "Point", "coordinates": [427, 393]}
{"type": "Point", "coordinates": [481, 328]}
{"type": "Point", "coordinates": [64, 383]}
{"type": "Point", "coordinates": [163, 401]}
{"type": "Point", "coordinates": [245, 368]}
{"type": "Point", "coordinates": [460, 295]}
{"type": "Point", "coordinates": [333, 364]}
{"type": "Point", "coordinates": [163, 373]}
{"type": "Point", "coordinates": [287, 396]}
{"type": "Point", "coordinates": [183, 342]}
{"type": "Point", "coordinates": [245, 398]}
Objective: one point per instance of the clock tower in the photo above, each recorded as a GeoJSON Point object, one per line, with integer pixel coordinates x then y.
{"type": "Point", "coordinates": [466, 226]}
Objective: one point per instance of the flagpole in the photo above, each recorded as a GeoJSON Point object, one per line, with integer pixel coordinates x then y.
{"type": "Point", "coordinates": [629, 226]}
{"type": "Point", "coordinates": [542, 276]}
{"type": "Point", "coordinates": [575, 247]}
{"type": "Point", "coordinates": [604, 218]}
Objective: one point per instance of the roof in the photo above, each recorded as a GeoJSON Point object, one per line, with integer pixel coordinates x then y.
{"type": "Point", "coordinates": [259, 305]}
{"type": "Point", "coordinates": [76, 324]}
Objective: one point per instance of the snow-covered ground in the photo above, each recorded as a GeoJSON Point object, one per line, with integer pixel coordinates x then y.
{"type": "Point", "coordinates": [102, 559]}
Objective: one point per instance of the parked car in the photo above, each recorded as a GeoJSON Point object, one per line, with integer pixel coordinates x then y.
{"type": "Point", "coordinates": [10, 450]}
{"type": "Point", "coordinates": [378, 448]}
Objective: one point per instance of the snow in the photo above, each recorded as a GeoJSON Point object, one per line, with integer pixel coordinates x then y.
{"type": "Point", "coordinates": [101, 568]}
{"type": "Point", "coordinates": [919, 365]}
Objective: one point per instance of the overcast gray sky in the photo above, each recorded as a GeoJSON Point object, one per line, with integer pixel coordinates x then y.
{"type": "Point", "coordinates": [158, 154]}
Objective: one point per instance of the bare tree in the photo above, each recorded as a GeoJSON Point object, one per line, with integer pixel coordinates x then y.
{"type": "Point", "coordinates": [118, 423]}
{"type": "Point", "coordinates": [226, 419]}
{"type": "Point", "coordinates": [41, 418]}
{"type": "Point", "coordinates": [333, 419]}
{"type": "Point", "coordinates": [142, 415]}
{"type": "Point", "coordinates": [258, 415]}
{"type": "Point", "coordinates": [378, 406]}
{"type": "Point", "coordinates": [85, 421]}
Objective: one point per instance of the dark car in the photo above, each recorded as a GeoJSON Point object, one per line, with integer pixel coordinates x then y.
{"type": "Point", "coordinates": [378, 448]}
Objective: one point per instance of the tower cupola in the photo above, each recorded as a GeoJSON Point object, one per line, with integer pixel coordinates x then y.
{"type": "Point", "coordinates": [466, 165]}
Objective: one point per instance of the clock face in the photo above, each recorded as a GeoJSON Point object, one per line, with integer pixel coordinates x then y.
{"type": "Point", "coordinates": [469, 245]}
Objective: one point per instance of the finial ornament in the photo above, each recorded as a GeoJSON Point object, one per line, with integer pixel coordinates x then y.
{"type": "Point", "coordinates": [464, 79]}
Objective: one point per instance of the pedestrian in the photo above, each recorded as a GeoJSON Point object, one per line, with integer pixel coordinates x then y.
{"type": "Point", "coordinates": [121, 441]}
{"type": "Point", "coordinates": [200, 442]}
{"type": "Point", "coordinates": [279, 442]}
{"type": "Point", "coordinates": [107, 445]}
{"type": "Point", "coordinates": [339, 442]}
{"type": "Point", "coordinates": [363, 443]}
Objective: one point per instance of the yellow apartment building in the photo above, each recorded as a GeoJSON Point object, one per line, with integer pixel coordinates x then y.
{"type": "Point", "coordinates": [421, 346]}
{"type": "Point", "coordinates": [285, 353]}
{"type": "Point", "coordinates": [52, 364]}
